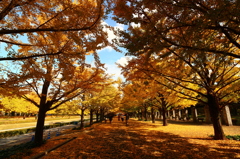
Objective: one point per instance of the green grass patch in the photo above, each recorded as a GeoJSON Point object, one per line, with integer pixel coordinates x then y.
{"type": "Point", "coordinates": [233, 137]}
{"type": "Point", "coordinates": [230, 137]}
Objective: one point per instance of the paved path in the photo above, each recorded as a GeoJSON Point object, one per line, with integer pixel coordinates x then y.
{"type": "Point", "coordinates": [19, 139]}
{"type": "Point", "coordinates": [33, 124]}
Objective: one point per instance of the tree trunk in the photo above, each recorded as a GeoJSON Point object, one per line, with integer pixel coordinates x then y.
{"type": "Point", "coordinates": [82, 119]}
{"type": "Point", "coordinates": [215, 116]}
{"type": "Point", "coordinates": [138, 114]}
{"type": "Point", "coordinates": [38, 139]}
{"type": "Point", "coordinates": [43, 108]}
{"type": "Point", "coordinates": [142, 114]}
{"type": "Point", "coordinates": [153, 115]}
{"type": "Point", "coordinates": [91, 116]}
{"type": "Point", "coordinates": [145, 113]}
{"type": "Point", "coordinates": [194, 114]}
{"type": "Point", "coordinates": [97, 115]}
{"type": "Point", "coordinates": [164, 116]}
{"type": "Point", "coordinates": [101, 114]}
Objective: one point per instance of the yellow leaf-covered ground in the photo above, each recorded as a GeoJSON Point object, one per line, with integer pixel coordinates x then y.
{"type": "Point", "coordinates": [142, 140]}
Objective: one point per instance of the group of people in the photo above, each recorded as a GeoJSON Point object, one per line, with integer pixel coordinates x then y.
{"type": "Point", "coordinates": [121, 117]}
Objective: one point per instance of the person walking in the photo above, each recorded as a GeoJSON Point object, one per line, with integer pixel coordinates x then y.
{"type": "Point", "coordinates": [122, 117]}
{"type": "Point", "coordinates": [119, 116]}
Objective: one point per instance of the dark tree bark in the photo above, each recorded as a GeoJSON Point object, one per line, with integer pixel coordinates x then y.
{"type": "Point", "coordinates": [38, 139]}
{"type": "Point", "coordinates": [163, 110]}
{"type": "Point", "coordinates": [145, 113]}
{"type": "Point", "coordinates": [82, 119]}
{"type": "Point", "coordinates": [91, 116]}
{"type": "Point", "coordinates": [101, 114]}
{"type": "Point", "coordinates": [97, 115]}
{"type": "Point", "coordinates": [43, 108]}
{"type": "Point", "coordinates": [214, 110]}
{"type": "Point", "coordinates": [153, 115]}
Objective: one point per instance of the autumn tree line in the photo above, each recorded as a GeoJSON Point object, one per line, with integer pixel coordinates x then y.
{"type": "Point", "coordinates": [180, 53]}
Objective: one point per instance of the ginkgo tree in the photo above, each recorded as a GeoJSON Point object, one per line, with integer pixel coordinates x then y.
{"type": "Point", "coordinates": [136, 96]}
{"type": "Point", "coordinates": [56, 79]}
{"type": "Point", "coordinates": [167, 24]}
{"type": "Point", "coordinates": [204, 77]}
{"type": "Point", "coordinates": [19, 105]}
{"type": "Point", "coordinates": [107, 100]}
{"type": "Point", "coordinates": [199, 42]}
{"type": "Point", "coordinates": [158, 94]}
{"type": "Point", "coordinates": [22, 19]}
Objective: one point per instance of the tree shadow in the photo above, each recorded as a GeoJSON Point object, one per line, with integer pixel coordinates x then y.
{"type": "Point", "coordinates": [136, 141]}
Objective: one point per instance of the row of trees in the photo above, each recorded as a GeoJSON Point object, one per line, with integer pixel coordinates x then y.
{"type": "Point", "coordinates": [48, 69]}
{"type": "Point", "coordinates": [183, 51]}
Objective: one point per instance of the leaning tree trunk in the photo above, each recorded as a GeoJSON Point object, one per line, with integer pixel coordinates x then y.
{"type": "Point", "coordinates": [214, 110]}
{"type": "Point", "coordinates": [82, 119]}
{"type": "Point", "coordinates": [43, 108]}
{"type": "Point", "coordinates": [38, 139]}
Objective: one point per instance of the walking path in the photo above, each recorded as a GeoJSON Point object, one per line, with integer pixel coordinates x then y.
{"type": "Point", "coordinates": [48, 133]}
{"type": "Point", "coordinates": [137, 140]}
{"type": "Point", "coordinates": [33, 124]}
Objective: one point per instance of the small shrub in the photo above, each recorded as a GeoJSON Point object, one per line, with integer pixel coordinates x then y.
{"type": "Point", "coordinates": [233, 137]}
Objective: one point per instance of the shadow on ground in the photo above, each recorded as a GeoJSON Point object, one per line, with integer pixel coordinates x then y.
{"type": "Point", "coordinates": [116, 140]}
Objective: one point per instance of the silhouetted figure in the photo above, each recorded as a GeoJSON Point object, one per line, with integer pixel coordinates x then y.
{"type": "Point", "coordinates": [122, 117]}
{"type": "Point", "coordinates": [110, 116]}
{"type": "Point", "coordinates": [127, 117]}
{"type": "Point", "coordinates": [105, 119]}
{"type": "Point", "coordinates": [110, 119]}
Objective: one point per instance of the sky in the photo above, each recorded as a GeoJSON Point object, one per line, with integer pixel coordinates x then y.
{"type": "Point", "coordinates": [109, 56]}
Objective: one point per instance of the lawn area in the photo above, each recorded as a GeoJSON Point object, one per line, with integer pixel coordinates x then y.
{"type": "Point", "coordinates": [11, 123]}
{"type": "Point", "coordinates": [141, 140]}
{"type": "Point", "coordinates": [20, 119]}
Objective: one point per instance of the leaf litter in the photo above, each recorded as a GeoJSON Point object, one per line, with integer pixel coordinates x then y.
{"type": "Point", "coordinates": [141, 140]}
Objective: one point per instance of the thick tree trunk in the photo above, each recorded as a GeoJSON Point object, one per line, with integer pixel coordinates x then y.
{"type": "Point", "coordinates": [38, 139]}
{"type": "Point", "coordinates": [43, 108]}
{"type": "Point", "coordinates": [153, 115]}
{"type": "Point", "coordinates": [215, 116]}
{"type": "Point", "coordinates": [82, 119]}
{"type": "Point", "coordinates": [164, 116]}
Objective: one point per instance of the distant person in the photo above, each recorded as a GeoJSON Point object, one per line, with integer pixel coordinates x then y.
{"type": "Point", "coordinates": [110, 116]}
{"type": "Point", "coordinates": [122, 117]}
{"type": "Point", "coordinates": [110, 119]}
{"type": "Point", "coordinates": [127, 117]}
{"type": "Point", "coordinates": [105, 118]}
{"type": "Point", "coordinates": [119, 116]}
